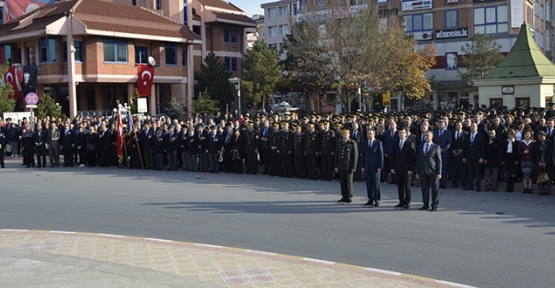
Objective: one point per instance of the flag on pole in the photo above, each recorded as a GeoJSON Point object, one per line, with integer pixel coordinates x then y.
{"type": "Point", "coordinates": [129, 122]}
{"type": "Point", "coordinates": [119, 137]}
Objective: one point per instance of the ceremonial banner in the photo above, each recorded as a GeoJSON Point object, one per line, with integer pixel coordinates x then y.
{"type": "Point", "coordinates": [14, 76]}
{"type": "Point", "coordinates": [16, 8]}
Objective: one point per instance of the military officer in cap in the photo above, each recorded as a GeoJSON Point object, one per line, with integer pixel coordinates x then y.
{"type": "Point", "coordinates": [327, 150]}
{"type": "Point", "coordinates": [298, 152]}
{"type": "Point", "coordinates": [3, 139]}
{"type": "Point", "coordinates": [274, 143]}
{"type": "Point", "coordinates": [311, 149]}
{"type": "Point", "coordinates": [251, 148]}
{"type": "Point", "coordinates": [345, 165]}
{"type": "Point", "coordinates": [285, 150]}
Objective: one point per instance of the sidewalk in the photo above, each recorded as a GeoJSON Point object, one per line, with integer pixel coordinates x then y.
{"type": "Point", "coordinates": [70, 259]}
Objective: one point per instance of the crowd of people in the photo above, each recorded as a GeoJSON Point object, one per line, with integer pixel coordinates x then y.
{"type": "Point", "coordinates": [483, 145]}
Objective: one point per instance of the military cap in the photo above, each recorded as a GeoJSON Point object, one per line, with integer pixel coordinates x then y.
{"type": "Point", "coordinates": [213, 127]}
{"type": "Point", "coordinates": [276, 124]}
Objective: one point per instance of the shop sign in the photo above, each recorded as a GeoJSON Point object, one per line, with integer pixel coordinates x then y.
{"type": "Point", "coordinates": [451, 33]}
{"type": "Point", "coordinates": [507, 90]}
{"type": "Point", "coordinates": [409, 5]}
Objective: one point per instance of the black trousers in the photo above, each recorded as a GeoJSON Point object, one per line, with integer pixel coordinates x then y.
{"type": "Point", "coordinates": [150, 162]}
{"type": "Point", "coordinates": [41, 155]}
{"type": "Point", "coordinates": [474, 174]}
{"type": "Point", "coordinates": [312, 165]}
{"type": "Point", "coordinates": [28, 156]}
{"type": "Point", "coordinates": [346, 180]}
{"type": "Point", "coordinates": [403, 187]}
{"type": "Point", "coordinates": [266, 157]}
{"type": "Point", "coordinates": [105, 156]}
{"type": "Point", "coordinates": [2, 164]}
{"type": "Point", "coordinates": [68, 156]}
{"type": "Point", "coordinates": [286, 164]}
{"type": "Point", "coordinates": [299, 166]}
{"type": "Point", "coordinates": [327, 166]}
{"type": "Point", "coordinates": [276, 167]}
{"type": "Point", "coordinates": [252, 162]}
{"type": "Point", "coordinates": [429, 182]}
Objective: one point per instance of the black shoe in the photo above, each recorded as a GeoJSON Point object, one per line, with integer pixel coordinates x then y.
{"type": "Point", "coordinates": [399, 206]}
{"type": "Point", "coordinates": [407, 206]}
{"type": "Point", "coordinates": [368, 204]}
{"type": "Point", "coordinates": [433, 209]}
{"type": "Point", "coordinates": [495, 190]}
{"type": "Point", "coordinates": [478, 190]}
{"type": "Point", "coordinates": [341, 201]}
{"type": "Point", "coordinates": [376, 204]}
{"type": "Point", "coordinates": [468, 188]}
{"type": "Point", "coordinates": [487, 189]}
{"type": "Point", "coordinates": [425, 207]}
{"type": "Point", "coordinates": [442, 187]}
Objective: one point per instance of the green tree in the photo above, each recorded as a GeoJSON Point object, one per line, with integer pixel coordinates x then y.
{"type": "Point", "coordinates": [134, 102]}
{"type": "Point", "coordinates": [339, 51]}
{"type": "Point", "coordinates": [214, 78]}
{"type": "Point", "coordinates": [262, 73]}
{"type": "Point", "coordinates": [480, 56]}
{"type": "Point", "coordinates": [47, 107]}
{"type": "Point", "coordinates": [174, 110]}
{"type": "Point", "coordinates": [6, 104]}
{"type": "Point", "coordinates": [205, 104]}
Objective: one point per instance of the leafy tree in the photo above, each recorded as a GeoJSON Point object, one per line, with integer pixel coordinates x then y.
{"type": "Point", "coordinates": [339, 51]}
{"type": "Point", "coordinates": [480, 56]}
{"type": "Point", "coordinates": [214, 78]}
{"type": "Point", "coordinates": [134, 102]}
{"type": "Point", "coordinates": [174, 109]}
{"type": "Point", "coordinates": [47, 107]}
{"type": "Point", "coordinates": [6, 104]}
{"type": "Point", "coordinates": [262, 73]}
{"type": "Point", "coordinates": [205, 104]}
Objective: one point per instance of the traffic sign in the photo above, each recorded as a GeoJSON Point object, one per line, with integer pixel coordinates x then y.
{"type": "Point", "coordinates": [31, 106]}
{"type": "Point", "coordinates": [31, 99]}
{"type": "Point", "coordinates": [386, 99]}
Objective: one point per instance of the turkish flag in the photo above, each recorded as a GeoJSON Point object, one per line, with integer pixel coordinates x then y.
{"type": "Point", "coordinates": [12, 77]}
{"type": "Point", "coordinates": [146, 76]}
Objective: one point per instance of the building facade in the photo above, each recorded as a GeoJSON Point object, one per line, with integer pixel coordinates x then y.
{"type": "Point", "coordinates": [88, 51]}
{"type": "Point", "coordinates": [449, 25]}
{"type": "Point", "coordinates": [279, 16]}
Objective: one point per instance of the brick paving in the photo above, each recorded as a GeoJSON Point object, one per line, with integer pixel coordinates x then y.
{"type": "Point", "coordinates": [221, 266]}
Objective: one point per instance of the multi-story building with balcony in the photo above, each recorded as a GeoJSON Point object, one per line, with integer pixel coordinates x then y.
{"type": "Point", "coordinates": [449, 25]}
{"type": "Point", "coordinates": [278, 18]}
{"type": "Point", "coordinates": [210, 26]}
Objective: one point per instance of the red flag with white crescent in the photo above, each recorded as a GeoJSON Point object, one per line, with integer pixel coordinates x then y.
{"type": "Point", "coordinates": [12, 78]}
{"type": "Point", "coordinates": [119, 138]}
{"type": "Point", "coordinates": [145, 79]}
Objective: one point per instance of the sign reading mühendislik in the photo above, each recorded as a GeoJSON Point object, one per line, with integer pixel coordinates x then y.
{"type": "Point", "coordinates": [451, 33]}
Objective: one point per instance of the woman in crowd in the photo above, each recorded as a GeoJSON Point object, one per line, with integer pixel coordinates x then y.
{"type": "Point", "coordinates": [92, 146]}
{"type": "Point", "coordinates": [526, 153]}
{"type": "Point", "coordinates": [510, 159]}
{"type": "Point", "coordinates": [543, 154]}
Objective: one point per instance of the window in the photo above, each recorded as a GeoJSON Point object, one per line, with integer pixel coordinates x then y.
{"type": "Point", "coordinates": [47, 50]}
{"type": "Point", "coordinates": [171, 55]}
{"type": "Point", "coordinates": [1, 15]}
{"type": "Point", "coordinates": [31, 55]}
{"type": "Point", "coordinates": [185, 13]}
{"type": "Point", "coordinates": [141, 54]}
{"type": "Point", "coordinates": [283, 11]}
{"type": "Point", "coordinates": [134, 2]}
{"type": "Point", "coordinates": [184, 57]}
{"type": "Point", "coordinates": [157, 4]}
{"type": "Point", "coordinates": [230, 36]}
{"type": "Point", "coordinates": [231, 64]}
{"type": "Point", "coordinates": [418, 22]}
{"type": "Point", "coordinates": [491, 20]}
{"type": "Point", "coordinates": [77, 46]}
{"type": "Point", "coordinates": [295, 9]}
{"type": "Point", "coordinates": [284, 29]}
{"type": "Point", "coordinates": [272, 12]}
{"type": "Point", "coordinates": [451, 19]}
{"type": "Point", "coordinates": [272, 31]}
{"type": "Point", "coordinates": [115, 50]}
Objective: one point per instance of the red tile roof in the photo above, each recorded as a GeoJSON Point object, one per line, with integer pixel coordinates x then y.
{"type": "Point", "coordinates": [235, 17]}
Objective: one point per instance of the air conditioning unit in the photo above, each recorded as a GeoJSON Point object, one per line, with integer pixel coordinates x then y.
{"type": "Point", "coordinates": [452, 1]}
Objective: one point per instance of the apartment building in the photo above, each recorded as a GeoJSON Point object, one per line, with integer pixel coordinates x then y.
{"type": "Point", "coordinates": [278, 18]}
{"type": "Point", "coordinates": [87, 52]}
{"type": "Point", "coordinates": [448, 24]}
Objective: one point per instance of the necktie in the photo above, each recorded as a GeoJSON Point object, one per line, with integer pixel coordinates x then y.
{"type": "Point", "coordinates": [392, 133]}
{"type": "Point", "coordinates": [457, 135]}
{"type": "Point", "coordinates": [549, 134]}
{"type": "Point", "coordinates": [370, 143]}
{"type": "Point", "coordinates": [472, 138]}
{"type": "Point", "coordinates": [426, 150]}
{"type": "Point", "coordinates": [422, 138]}
{"type": "Point", "coordinates": [440, 133]}
{"type": "Point", "coordinates": [401, 145]}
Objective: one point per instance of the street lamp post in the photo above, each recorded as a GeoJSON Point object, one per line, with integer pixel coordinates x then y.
{"type": "Point", "coordinates": [238, 87]}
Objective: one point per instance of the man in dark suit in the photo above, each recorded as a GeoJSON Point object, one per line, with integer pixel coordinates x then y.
{"type": "Point", "coordinates": [403, 157]}
{"type": "Point", "coordinates": [356, 135]}
{"type": "Point", "coordinates": [473, 157]}
{"type": "Point", "coordinates": [67, 144]}
{"type": "Point", "coordinates": [214, 147]}
{"type": "Point", "coordinates": [372, 165]}
{"type": "Point", "coordinates": [158, 146]}
{"type": "Point", "coordinates": [442, 137]}
{"type": "Point", "coordinates": [146, 145]}
{"type": "Point", "coordinates": [105, 140]}
{"type": "Point", "coordinates": [40, 142]}
{"type": "Point", "coordinates": [428, 169]}
{"type": "Point", "coordinates": [391, 139]}
{"type": "Point", "coordinates": [345, 165]}
{"type": "Point", "coordinates": [492, 160]}
{"type": "Point", "coordinates": [170, 148]}
{"type": "Point", "coordinates": [3, 141]}
{"type": "Point", "coordinates": [53, 142]}
{"type": "Point", "coordinates": [458, 171]}
{"type": "Point", "coordinates": [380, 135]}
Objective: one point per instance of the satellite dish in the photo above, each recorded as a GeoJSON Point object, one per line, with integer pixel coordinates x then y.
{"type": "Point", "coordinates": [151, 61]}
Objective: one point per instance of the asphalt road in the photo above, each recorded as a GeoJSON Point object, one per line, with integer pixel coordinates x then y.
{"type": "Point", "coordinates": [482, 239]}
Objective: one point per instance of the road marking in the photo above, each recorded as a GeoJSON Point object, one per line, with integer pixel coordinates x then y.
{"type": "Point", "coordinates": [454, 284]}
{"type": "Point", "coordinates": [158, 240]}
{"type": "Point", "coordinates": [14, 230]}
{"type": "Point", "coordinates": [383, 271]}
{"type": "Point", "coordinates": [208, 245]}
{"type": "Point", "coordinates": [111, 235]}
{"type": "Point", "coordinates": [318, 261]}
{"type": "Point", "coordinates": [262, 252]}
{"type": "Point", "coordinates": [63, 232]}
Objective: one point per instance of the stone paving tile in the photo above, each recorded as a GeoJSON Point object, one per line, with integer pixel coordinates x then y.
{"type": "Point", "coordinates": [220, 266]}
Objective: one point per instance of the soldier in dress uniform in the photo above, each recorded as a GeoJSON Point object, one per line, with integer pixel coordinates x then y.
{"type": "Point", "coordinates": [311, 149]}
{"type": "Point", "coordinates": [298, 152]}
{"type": "Point", "coordinates": [285, 150]}
{"type": "Point", "coordinates": [345, 165]}
{"type": "Point", "coordinates": [327, 150]}
{"type": "Point", "coordinates": [274, 143]}
{"type": "Point", "coordinates": [3, 139]}
{"type": "Point", "coordinates": [251, 148]}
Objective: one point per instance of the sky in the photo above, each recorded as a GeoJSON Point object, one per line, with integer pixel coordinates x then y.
{"type": "Point", "coordinates": [250, 7]}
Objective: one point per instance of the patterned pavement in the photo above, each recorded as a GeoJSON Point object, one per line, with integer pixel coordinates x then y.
{"type": "Point", "coordinates": [221, 266]}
